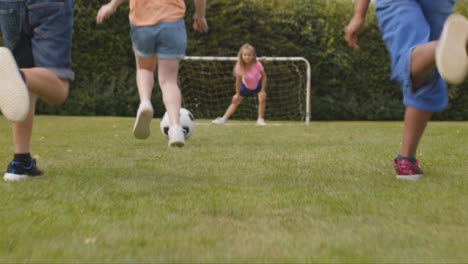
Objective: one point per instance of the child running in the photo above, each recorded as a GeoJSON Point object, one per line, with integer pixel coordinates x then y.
{"type": "Point", "coordinates": [251, 79]}
{"type": "Point", "coordinates": [37, 35]}
{"type": "Point", "coordinates": [427, 45]}
{"type": "Point", "coordinates": [158, 34]}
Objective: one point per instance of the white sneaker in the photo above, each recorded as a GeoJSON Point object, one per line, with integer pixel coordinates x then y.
{"type": "Point", "coordinates": [219, 121]}
{"type": "Point", "coordinates": [261, 122]}
{"type": "Point", "coordinates": [14, 95]}
{"type": "Point", "coordinates": [451, 57]}
{"type": "Point", "coordinates": [176, 136]}
{"type": "Point", "coordinates": [142, 128]}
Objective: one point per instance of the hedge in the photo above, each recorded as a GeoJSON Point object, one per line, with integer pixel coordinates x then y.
{"type": "Point", "coordinates": [346, 85]}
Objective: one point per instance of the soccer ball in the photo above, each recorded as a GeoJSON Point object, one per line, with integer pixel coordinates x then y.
{"type": "Point", "coordinates": [186, 119]}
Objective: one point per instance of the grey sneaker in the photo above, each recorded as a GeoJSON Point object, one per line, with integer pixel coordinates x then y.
{"type": "Point", "coordinates": [261, 122]}
{"type": "Point", "coordinates": [14, 95]}
{"type": "Point", "coordinates": [141, 129]}
{"type": "Point", "coordinates": [176, 136]}
{"type": "Point", "coordinates": [451, 57]}
{"type": "Point", "coordinates": [219, 121]}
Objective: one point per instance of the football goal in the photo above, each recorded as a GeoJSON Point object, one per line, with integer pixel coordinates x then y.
{"type": "Point", "coordinates": [208, 84]}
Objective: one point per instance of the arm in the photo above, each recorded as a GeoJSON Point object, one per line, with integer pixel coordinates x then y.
{"type": "Point", "coordinates": [199, 20]}
{"type": "Point", "coordinates": [107, 10]}
{"type": "Point", "coordinates": [264, 81]}
{"type": "Point", "coordinates": [357, 22]}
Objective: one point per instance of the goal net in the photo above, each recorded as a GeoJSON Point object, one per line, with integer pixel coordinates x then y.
{"type": "Point", "coordinates": [208, 84]}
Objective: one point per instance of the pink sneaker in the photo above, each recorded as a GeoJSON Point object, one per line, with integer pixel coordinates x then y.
{"type": "Point", "coordinates": [406, 170]}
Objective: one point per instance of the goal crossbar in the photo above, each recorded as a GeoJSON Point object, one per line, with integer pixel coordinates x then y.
{"type": "Point", "coordinates": [300, 59]}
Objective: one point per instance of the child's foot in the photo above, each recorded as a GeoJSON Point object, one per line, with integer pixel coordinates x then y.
{"type": "Point", "coordinates": [451, 57]}
{"type": "Point", "coordinates": [219, 121]}
{"type": "Point", "coordinates": [176, 136]}
{"type": "Point", "coordinates": [20, 171]}
{"type": "Point", "coordinates": [14, 95]}
{"type": "Point", "coordinates": [261, 122]}
{"type": "Point", "coordinates": [141, 129]}
{"type": "Point", "coordinates": [407, 170]}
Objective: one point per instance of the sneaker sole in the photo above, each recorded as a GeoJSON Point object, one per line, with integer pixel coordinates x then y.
{"type": "Point", "coordinates": [142, 127]}
{"type": "Point", "coordinates": [177, 144]}
{"type": "Point", "coordinates": [177, 140]}
{"type": "Point", "coordinates": [410, 177]}
{"type": "Point", "coordinates": [451, 57]}
{"type": "Point", "coordinates": [17, 177]}
{"type": "Point", "coordinates": [14, 95]}
{"type": "Point", "coordinates": [215, 123]}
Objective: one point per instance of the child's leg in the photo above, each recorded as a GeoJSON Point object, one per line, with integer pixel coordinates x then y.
{"type": "Point", "coordinates": [423, 56]}
{"type": "Point", "coordinates": [261, 104]}
{"type": "Point", "coordinates": [236, 101]}
{"type": "Point", "coordinates": [46, 85]}
{"type": "Point", "coordinates": [145, 82]}
{"type": "Point", "coordinates": [415, 123]}
{"type": "Point", "coordinates": [168, 70]}
{"type": "Point", "coordinates": [22, 131]}
{"type": "Point", "coordinates": [422, 63]}
{"type": "Point", "coordinates": [452, 60]}
{"type": "Point", "coordinates": [145, 76]}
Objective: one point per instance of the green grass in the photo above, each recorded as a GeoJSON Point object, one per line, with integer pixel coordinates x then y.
{"type": "Point", "coordinates": [237, 193]}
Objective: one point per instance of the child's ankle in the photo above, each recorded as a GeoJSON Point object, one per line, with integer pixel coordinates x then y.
{"type": "Point", "coordinates": [410, 159]}
{"type": "Point", "coordinates": [145, 101]}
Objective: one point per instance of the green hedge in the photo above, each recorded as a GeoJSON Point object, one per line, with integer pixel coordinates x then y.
{"type": "Point", "coordinates": [346, 85]}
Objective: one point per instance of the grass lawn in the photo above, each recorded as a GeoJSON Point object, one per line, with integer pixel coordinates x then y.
{"type": "Point", "coordinates": [236, 193]}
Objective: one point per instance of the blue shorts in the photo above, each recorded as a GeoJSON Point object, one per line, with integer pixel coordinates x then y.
{"type": "Point", "coordinates": [166, 40]}
{"type": "Point", "coordinates": [39, 33]}
{"type": "Point", "coordinates": [405, 24]}
{"type": "Point", "coordinates": [244, 91]}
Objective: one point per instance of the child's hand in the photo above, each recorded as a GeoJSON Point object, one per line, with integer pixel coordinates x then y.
{"type": "Point", "coordinates": [352, 31]}
{"type": "Point", "coordinates": [200, 24]}
{"type": "Point", "coordinates": [105, 12]}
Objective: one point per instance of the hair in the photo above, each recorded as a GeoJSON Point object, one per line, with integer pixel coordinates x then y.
{"type": "Point", "coordinates": [240, 62]}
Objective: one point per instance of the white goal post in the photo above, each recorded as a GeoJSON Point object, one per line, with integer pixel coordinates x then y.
{"type": "Point", "coordinates": [198, 72]}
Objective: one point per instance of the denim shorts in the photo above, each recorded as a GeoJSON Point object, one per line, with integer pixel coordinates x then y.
{"type": "Point", "coordinates": [244, 91]}
{"type": "Point", "coordinates": [39, 33]}
{"type": "Point", "coordinates": [404, 25]}
{"type": "Point", "coordinates": [166, 40]}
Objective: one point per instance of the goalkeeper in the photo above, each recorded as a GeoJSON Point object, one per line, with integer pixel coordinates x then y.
{"type": "Point", "coordinates": [251, 80]}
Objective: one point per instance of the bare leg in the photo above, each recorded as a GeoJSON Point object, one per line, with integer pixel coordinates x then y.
{"type": "Point", "coordinates": [236, 101]}
{"type": "Point", "coordinates": [145, 76]}
{"type": "Point", "coordinates": [422, 63]}
{"type": "Point", "coordinates": [22, 131]}
{"type": "Point", "coordinates": [51, 89]}
{"type": "Point", "coordinates": [261, 104]}
{"type": "Point", "coordinates": [168, 71]}
{"type": "Point", "coordinates": [46, 85]}
{"type": "Point", "coordinates": [415, 123]}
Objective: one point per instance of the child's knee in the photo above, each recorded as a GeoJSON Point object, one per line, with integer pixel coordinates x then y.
{"type": "Point", "coordinates": [236, 99]}
{"type": "Point", "coordinates": [62, 93]}
{"type": "Point", "coordinates": [262, 97]}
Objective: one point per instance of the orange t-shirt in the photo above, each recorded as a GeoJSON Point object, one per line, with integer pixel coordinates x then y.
{"type": "Point", "coordinates": [151, 12]}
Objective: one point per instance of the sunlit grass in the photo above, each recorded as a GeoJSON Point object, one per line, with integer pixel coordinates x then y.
{"type": "Point", "coordinates": [236, 193]}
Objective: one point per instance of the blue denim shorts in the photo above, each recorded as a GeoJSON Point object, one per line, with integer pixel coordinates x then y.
{"type": "Point", "coordinates": [406, 24]}
{"type": "Point", "coordinates": [244, 91]}
{"type": "Point", "coordinates": [166, 40]}
{"type": "Point", "coordinates": [39, 33]}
